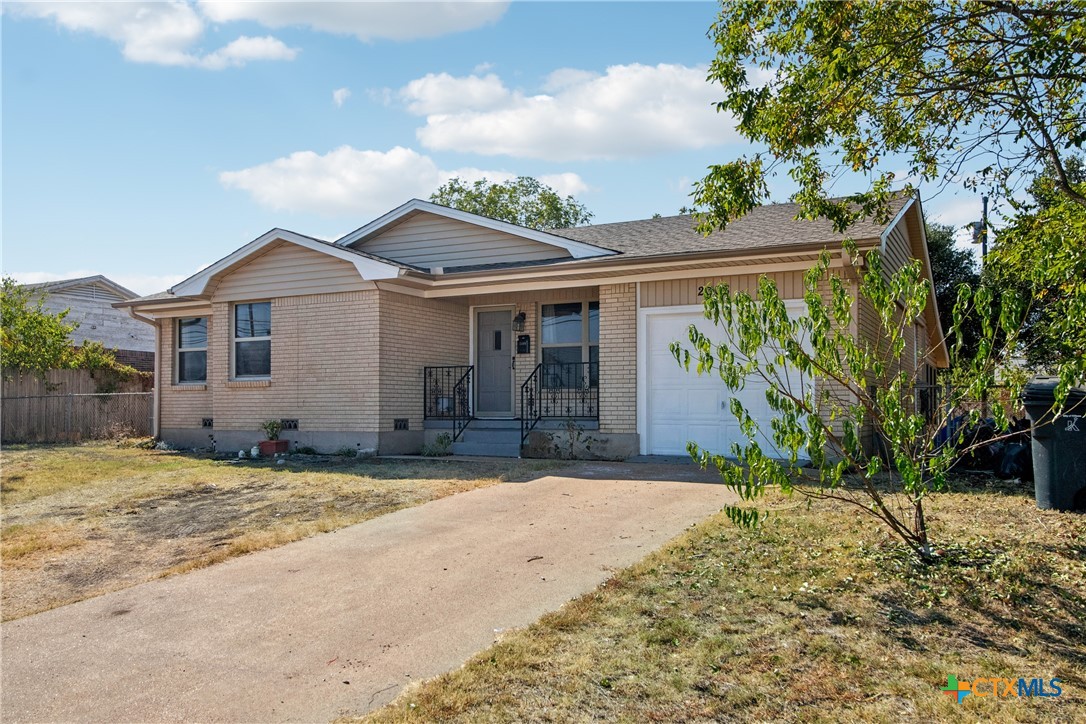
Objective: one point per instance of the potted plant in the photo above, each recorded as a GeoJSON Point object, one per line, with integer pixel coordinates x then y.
{"type": "Point", "coordinates": [273, 445]}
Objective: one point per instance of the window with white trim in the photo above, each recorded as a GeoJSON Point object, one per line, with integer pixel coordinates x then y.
{"type": "Point", "coordinates": [570, 334]}
{"type": "Point", "coordinates": [192, 349]}
{"type": "Point", "coordinates": [252, 340]}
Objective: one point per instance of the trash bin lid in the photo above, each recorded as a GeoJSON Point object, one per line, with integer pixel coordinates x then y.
{"type": "Point", "coordinates": [1042, 390]}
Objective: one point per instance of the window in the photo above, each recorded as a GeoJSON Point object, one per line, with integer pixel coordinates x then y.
{"type": "Point", "coordinates": [252, 340]}
{"type": "Point", "coordinates": [570, 336]}
{"type": "Point", "coordinates": [192, 349]}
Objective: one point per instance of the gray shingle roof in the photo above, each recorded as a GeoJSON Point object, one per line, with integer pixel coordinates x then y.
{"type": "Point", "coordinates": [763, 228]}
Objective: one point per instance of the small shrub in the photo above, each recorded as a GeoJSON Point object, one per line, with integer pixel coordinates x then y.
{"type": "Point", "coordinates": [346, 452]}
{"type": "Point", "coordinates": [441, 446]}
{"type": "Point", "coordinates": [272, 428]}
{"type": "Point", "coordinates": [305, 450]}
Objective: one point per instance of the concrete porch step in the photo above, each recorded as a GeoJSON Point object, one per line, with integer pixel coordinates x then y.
{"type": "Point", "coordinates": [473, 434]}
{"type": "Point", "coordinates": [488, 449]}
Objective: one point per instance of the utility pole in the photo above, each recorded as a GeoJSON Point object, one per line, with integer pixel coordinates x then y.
{"type": "Point", "coordinates": [980, 236]}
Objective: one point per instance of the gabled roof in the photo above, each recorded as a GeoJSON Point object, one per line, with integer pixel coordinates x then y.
{"type": "Point", "coordinates": [369, 266]}
{"type": "Point", "coordinates": [764, 228]}
{"type": "Point", "coordinates": [577, 249]}
{"type": "Point", "coordinates": [96, 280]}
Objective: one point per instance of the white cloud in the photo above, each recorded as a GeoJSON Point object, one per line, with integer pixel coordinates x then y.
{"type": "Point", "coordinates": [162, 33]}
{"type": "Point", "coordinates": [169, 32]}
{"type": "Point", "coordinates": [442, 93]}
{"type": "Point", "coordinates": [139, 283]}
{"type": "Point", "coordinates": [245, 49]}
{"type": "Point", "coordinates": [364, 20]}
{"type": "Point", "coordinates": [351, 182]}
{"type": "Point", "coordinates": [340, 96]}
{"type": "Point", "coordinates": [566, 184]}
{"type": "Point", "coordinates": [632, 110]}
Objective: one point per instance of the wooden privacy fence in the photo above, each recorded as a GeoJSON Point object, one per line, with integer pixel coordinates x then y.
{"type": "Point", "coordinates": [74, 417]}
{"type": "Point", "coordinates": [67, 406]}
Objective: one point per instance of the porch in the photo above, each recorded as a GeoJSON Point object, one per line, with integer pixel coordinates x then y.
{"type": "Point", "coordinates": [555, 397]}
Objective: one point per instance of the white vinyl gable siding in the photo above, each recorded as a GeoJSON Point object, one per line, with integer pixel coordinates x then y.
{"type": "Point", "coordinates": [429, 241]}
{"type": "Point", "coordinates": [289, 270]}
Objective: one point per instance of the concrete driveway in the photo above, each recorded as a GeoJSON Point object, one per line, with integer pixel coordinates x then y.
{"type": "Point", "coordinates": [340, 623]}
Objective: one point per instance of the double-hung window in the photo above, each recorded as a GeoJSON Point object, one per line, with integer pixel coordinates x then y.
{"type": "Point", "coordinates": [252, 340]}
{"type": "Point", "coordinates": [570, 337]}
{"type": "Point", "coordinates": [192, 349]}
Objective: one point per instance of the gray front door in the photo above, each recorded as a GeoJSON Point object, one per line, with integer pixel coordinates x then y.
{"type": "Point", "coordinates": [494, 363]}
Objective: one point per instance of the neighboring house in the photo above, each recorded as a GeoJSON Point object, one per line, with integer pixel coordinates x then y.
{"type": "Point", "coordinates": [91, 301]}
{"type": "Point", "coordinates": [430, 320]}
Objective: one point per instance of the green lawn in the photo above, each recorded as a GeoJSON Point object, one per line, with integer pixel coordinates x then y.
{"type": "Point", "coordinates": [817, 616]}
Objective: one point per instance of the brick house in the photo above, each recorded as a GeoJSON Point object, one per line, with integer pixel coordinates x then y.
{"type": "Point", "coordinates": [430, 320]}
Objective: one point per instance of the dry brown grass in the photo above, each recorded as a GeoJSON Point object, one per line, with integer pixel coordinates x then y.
{"type": "Point", "coordinates": [79, 521]}
{"type": "Point", "coordinates": [816, 617]}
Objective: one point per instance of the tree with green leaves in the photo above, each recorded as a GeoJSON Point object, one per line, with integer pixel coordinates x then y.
{"type": "Point", "coordinates": [523, 201]}
{"type": "Point", "coordinates": [31, 338]}
{"type": "Point", "coordinates": [985, 89]}
{"type": "Point", "coordinates": [952, 267]}
{"type": "Point", "coordinates": [1041, 254]}
{"type": "Point", "coordinates": [846, 403]}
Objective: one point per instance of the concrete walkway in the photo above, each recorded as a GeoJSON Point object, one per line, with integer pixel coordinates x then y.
{"type": "Point", "coordinates": [340, 623]}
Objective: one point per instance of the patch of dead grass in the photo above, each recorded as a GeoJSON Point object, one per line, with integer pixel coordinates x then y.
{"type": "Point", "coordinates": [84, 520]}
{"type": "Point", "coordinates": [815, 617]}
{"type": "Point", "coordinates": [23, 544]}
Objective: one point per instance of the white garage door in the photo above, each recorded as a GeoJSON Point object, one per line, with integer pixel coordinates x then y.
{"type": "Point", "coordinates": [684, 406]}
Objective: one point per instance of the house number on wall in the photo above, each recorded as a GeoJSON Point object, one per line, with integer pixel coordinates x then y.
{"type": "Point", "coordinates": [701, 291]}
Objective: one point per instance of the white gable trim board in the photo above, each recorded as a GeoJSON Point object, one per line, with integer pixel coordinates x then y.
{"type": "Point", "coordinates": [675, 406]}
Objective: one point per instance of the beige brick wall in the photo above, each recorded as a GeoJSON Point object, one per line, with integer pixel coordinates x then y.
{"type": "Point", "coordinates": [182, 406]}
{"type": "Point", "coordinates": [324, 365]}
{"type": "Point", "coordinates": [618, 358]}
{"type": "Point", "coordinates": [416, 333]}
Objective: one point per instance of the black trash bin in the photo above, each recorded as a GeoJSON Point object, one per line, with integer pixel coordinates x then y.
{"type": "Point", "coordinates": [1059, 445]}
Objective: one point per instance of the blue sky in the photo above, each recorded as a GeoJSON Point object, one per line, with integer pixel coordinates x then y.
{"type": "Point", "coordinates": [145, 140]}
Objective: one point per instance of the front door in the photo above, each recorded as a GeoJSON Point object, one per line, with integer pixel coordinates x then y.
{"type": "Point", "coordinates": [494, 363]}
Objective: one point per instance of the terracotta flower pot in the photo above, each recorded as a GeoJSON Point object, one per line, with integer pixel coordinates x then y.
{"type": "Point", "coordinates": [272, 447]}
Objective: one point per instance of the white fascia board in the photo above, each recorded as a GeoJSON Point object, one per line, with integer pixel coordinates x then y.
{"type": "Point", "coordinates": [885, 235]}
{"type": "Point", "coordinates": [578, 249]}
{"type": "Point", "coordinates": [368, 269]}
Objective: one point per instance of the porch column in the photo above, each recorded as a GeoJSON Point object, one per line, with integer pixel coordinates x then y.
{"type": "Point", "coordinates": [618, 358]}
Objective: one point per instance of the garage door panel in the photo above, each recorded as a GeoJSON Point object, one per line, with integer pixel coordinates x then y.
{"type": "Point", "coordinates": [668, 404]}
{"type": "Point", "coordinates": [701, 404]}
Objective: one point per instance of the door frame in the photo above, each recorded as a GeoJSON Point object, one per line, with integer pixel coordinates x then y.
{"type": "Point", "coordinates": [473, 311]}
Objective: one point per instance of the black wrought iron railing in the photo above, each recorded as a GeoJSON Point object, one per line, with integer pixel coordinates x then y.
{"type": "Point", "coordinates": [447, 395]}
{"type": "Point", "coordinates": [561, 390]}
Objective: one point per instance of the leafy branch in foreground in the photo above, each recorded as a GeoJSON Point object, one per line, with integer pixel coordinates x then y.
{"type": "Point", "coordinates": [849, 404]}
{"type": "Point", "coordinates": [987, 90]}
